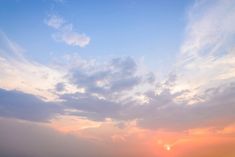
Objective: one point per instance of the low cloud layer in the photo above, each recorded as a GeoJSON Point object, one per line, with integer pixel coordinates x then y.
{"type": "Point", "coordinates": [26, 139]}
{"type": "Point", "coordinates": [15, 104]}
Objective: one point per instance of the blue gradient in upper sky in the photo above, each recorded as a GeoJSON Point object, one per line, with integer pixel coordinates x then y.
{"type": "Point", "coordinates": [150, 29]}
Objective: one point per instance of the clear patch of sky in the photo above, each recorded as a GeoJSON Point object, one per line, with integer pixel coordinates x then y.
{"type": "Point", "coordinates": [151, 29]}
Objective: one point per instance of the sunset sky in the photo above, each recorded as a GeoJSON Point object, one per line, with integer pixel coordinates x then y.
{"type": "Point", "coordinates": [117, 78]}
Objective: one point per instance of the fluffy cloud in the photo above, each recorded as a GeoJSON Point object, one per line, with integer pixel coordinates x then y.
{"type": "Point", "coordinates": [66, 33]}
{"type": "Point", "coordinates": [108, 87]}
{"type": "Point", "coordinates": [114, 76]}
{"type": "Point", "coordinates": [163, 112]}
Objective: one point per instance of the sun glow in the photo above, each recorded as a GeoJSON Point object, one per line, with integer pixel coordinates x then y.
{"type": "Point", "coordinates": [167, 147]}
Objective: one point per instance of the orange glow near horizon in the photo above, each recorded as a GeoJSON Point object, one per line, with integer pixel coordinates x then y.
{"type": "Point", "coordinates": [160, 143]}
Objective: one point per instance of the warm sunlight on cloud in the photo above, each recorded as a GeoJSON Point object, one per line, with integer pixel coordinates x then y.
{"type": "Point", "coordinates": [72, 124]}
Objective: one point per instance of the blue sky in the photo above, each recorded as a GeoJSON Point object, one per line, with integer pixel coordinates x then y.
{"type": "Point", "coordinates": [153, 29]}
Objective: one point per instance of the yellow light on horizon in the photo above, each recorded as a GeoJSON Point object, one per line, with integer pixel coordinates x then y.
{"type": "Point", "coordinates": [167, 147]}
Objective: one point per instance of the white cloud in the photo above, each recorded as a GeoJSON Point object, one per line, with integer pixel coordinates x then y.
{"type": "Point", "coordinates": [66, 33]}
{"type": "Point", "coordinates": [19, 73]}
{"type": "Point", "coordinates": [54, 21]}
{"type": "Point", "coordinates": [72, 38]}
{"type": "Point", "coordinates": [207, 56]}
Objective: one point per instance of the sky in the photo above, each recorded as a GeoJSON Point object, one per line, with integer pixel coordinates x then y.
{"type": "Point", "coordinates": [126, 78]}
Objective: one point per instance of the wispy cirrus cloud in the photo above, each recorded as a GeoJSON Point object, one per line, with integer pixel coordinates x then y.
{"type": "Point", "coordinates": [17, 71]}
{"type": "Point", "coordinates": [208, 50]}
{"type": "Point", "coordinates": [65, 32]}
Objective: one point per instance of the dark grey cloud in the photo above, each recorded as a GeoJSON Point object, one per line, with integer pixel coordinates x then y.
{"type": "Point", "coordinates": [117, 75]}
{"type": "Point", "coordinates": [92, 107]}
{"type": "Point", "coordinates": [20, 105]}
{"type": "Point", "coordinates": [217, 109]}
{"type": "Point", "coordinates": [162, 111]}
{"type": "Point", "coordinates": [100, 100]}
{"type": "Point", "coordinates": [60, 87]}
